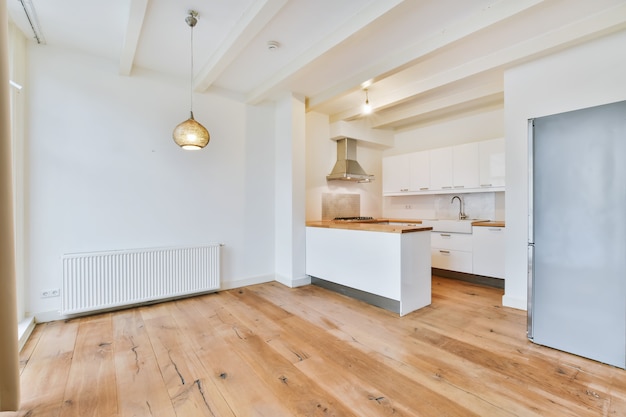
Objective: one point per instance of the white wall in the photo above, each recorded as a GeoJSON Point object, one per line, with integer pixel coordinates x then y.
{"type": "Point", "coordinates": [321, 154]}
{"type": "Point", "coordinates": [584, 76]}
{"type": "Point", "coordinates": [104, 173]}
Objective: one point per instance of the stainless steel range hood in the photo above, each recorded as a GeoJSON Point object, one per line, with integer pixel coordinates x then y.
{"type": "Point", "coordinates": [347, 168]}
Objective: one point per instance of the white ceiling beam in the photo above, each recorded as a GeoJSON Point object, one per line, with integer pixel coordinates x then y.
{"type": "Point", "coordinates": [405, 113]}
{"type": "Point", "coordinates": [251, 23]}
{"type": "Point", "coordinates": [390, 64]}
{"type": "Point", "coordinates": [136, 14]}
{"type": "Point", "coordinates": [460, 110]}
{"type": "Point", "coordinates": [358, 22]}
{"type": "Point", "coordinates": [607, 21]}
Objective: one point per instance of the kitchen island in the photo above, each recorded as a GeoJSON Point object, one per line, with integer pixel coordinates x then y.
{"type": "Point", "coordinates": [387, 265]}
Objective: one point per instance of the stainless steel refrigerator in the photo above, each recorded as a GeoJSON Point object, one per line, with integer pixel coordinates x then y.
{"type": "Point", "coordinates": [577, 233]}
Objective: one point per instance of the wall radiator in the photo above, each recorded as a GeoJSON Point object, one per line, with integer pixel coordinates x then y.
{"type": "Point", "coordinates": [104, 280]}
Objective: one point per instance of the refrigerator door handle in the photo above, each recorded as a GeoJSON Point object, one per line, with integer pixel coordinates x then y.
{"type": "Point", "coordinates": [530, 295]}
{"type": "Point", "coordinates": [531, 235]}
{"type": "Point", "coordinates": [531, 179]}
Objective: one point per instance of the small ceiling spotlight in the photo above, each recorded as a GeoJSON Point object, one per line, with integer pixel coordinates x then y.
{"type": "Point", "coordinates": [367, 107]}
{"type": "Point", "coordinates": [272, 45]}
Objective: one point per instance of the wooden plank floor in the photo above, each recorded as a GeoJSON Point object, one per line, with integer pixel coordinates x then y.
{"type": "Point", "coordinates": [268, 350]}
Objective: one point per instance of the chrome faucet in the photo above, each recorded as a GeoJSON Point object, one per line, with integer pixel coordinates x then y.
{"type": "Point", "coordinates": [461, 214]}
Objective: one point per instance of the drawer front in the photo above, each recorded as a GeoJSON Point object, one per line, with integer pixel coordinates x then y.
{"type": "Point", "coordinates": [452, 241]}
{"type": "Point", "coordinates": [452, 260]}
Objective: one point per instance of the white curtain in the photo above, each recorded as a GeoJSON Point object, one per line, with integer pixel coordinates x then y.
{"type": "Point", "coordinates": [9, 360]}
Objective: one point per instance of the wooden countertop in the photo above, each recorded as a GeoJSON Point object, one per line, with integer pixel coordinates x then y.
{"type": "Point", "coordinates": [371, 226]}
{"type": "Point", "coordinates": [486, 223]}
{"type": "Point", "coordinates": [491, 223]}
{"type": "Point", "coordinates": [378, 225]}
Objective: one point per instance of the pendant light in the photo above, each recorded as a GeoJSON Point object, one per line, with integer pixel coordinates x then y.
{"type": "Point", "coordinates": [367, 108]}
{"type": "Point", "coordinates": [191, 135]}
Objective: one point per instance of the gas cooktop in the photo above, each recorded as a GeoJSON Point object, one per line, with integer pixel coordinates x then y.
{"type": "Point", "coordinates": [352, 219]}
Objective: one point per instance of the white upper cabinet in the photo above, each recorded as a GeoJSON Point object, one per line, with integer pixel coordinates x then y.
{"type": "Point", "coordinates": [419, 171]}
{"type": "Point", "coordinates": [441, 169]}
{"type": "Point", "coordinates": [491, 157]}
{"type": "Point", "coordinates": [471, 167]}
{"type": "Point", "coordinates": [465, 171]}
{"type": "Point", "coordinates": [396, 174]}
{"type": "Point", "coordinates": [454, 167]}
{"type": "Point", "coordinates": [406, 173]}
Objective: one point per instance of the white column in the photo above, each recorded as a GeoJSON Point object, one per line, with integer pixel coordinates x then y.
{"type": "Point", "coordinates": [290, 193]}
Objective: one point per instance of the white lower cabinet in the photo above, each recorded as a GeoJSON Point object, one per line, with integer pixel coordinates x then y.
{"type": "Point", "coordinates": [452, 251]}
{"type": "Point", "coordinates": [489, 251]}
{"type": "Point", "coordinates": [481, 252]}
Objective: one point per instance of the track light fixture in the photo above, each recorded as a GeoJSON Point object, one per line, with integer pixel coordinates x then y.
{"type": "Point", "coordinates": [367, 108]}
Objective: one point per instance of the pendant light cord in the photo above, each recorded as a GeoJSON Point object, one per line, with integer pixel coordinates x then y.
{"type": "Point", "coordinates": [191, 77]}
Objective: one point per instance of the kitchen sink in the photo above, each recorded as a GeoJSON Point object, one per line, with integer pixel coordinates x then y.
{"type": "Point", "coordinates": [451, 225]}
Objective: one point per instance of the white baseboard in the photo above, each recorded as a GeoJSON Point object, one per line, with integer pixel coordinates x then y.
{"type": "Point", "coordinates": [24, 330]}
{"type": "Point", "coordinates": [54, 315]}
{"type": "Point", "coordinates": [229, 285]}
{"type": "Point", "coordinates": [48, 316]}
{"type": "Point", "coordinates": [293, 282]}
{"type": "Point", "coordinates": [512, 302]}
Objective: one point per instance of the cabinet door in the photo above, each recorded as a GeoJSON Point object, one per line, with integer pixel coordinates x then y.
{"type": "Point", "coordinates": [419, 169]}
{"type": "Point", "coordinates": [491, 157]}
{"type": "Point", "coordinates": [488, 251]}
{"type": "Point", "coordinates": [396, 174]}
{"type": "Point", "coordinates": [441, 169]}
{"type": "Point", "coordinates": [465, 171]}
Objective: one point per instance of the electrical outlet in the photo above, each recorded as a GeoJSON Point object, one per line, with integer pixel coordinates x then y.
{"type": "Point", "coordinates": [53, 292]}
{"type": "Point", "coordinates": [407, 206]}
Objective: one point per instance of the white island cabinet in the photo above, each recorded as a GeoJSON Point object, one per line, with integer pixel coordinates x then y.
{"type": "Point", "coordinates": [393, 266]}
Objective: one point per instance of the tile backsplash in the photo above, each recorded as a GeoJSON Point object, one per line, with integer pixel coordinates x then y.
{"type": "Point", "coordinates": [340, 205]}
{"type": "Point", "coordinates": [488, 206]}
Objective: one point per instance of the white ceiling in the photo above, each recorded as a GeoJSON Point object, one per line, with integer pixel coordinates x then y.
{"type": "Point", "coordinates": [423, 60]}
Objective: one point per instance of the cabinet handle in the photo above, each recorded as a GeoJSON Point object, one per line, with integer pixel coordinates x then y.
{"type": "Point", "coordinates": [486, 185]}
{"type": "Point", "coordinates": [445, 252]}
{"type": "Point", "coordinates": [423, 188]}
{"type": "Point", "coordinates": [494, 229]}
{"type": "Point", "coordinates": [445, 235]}
{"type": "Point", "coordinates": [459, 186]}
{"type": "Point", "coordinates": [404, 189]}
{"type": "Point", "coordinates": [446, 187]}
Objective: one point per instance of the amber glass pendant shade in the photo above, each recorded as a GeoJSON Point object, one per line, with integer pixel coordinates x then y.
{"type": "Point", "coordinates": [191, 135]}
